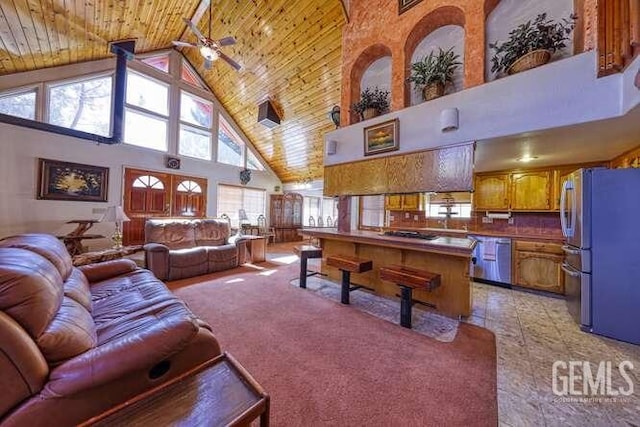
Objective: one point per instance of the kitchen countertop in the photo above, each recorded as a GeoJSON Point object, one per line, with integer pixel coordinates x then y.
{"type": "Point", "coordinates": [461, 246]}
{"type": "Point", "coordinates": [465, 233]}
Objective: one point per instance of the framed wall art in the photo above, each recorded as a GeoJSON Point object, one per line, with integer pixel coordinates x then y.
{"type": "Point", "coordinates": [382, 137]}
{"type": "Point", "coordinates": [58, 180]}
{"type": "Point", "coordinates": [404, 5]}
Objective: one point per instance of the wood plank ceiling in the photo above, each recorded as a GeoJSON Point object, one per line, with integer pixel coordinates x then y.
{"type": "Point", "coordinates": [290, 52]}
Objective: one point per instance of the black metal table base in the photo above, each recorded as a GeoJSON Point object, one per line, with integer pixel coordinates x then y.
{"type": "Point", "coordinates": [406, 302]}
{"type": "Point", "coordinates": [304, 272]}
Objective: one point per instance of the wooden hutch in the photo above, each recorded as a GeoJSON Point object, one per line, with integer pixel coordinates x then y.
{"type": "Point", "coordinates": [286, 216]}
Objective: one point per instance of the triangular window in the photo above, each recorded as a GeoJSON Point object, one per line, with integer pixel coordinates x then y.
{"type": "Point", "coordinates": [189, 75]}
{"type": "Point", "coordinates": [159, 62]}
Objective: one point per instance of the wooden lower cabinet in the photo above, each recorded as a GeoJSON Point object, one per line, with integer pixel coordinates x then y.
{"type": "Point", "coordinates": [538, 266]}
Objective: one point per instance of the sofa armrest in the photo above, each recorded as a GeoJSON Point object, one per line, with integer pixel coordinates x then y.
{"type": "Point", "coordinates": [236, 238]}
{"type": "Point", "coordinates": [128, 354]}
{"type": "Point", "coordinates": [108, 269]}
{"type": "Point", "coordinates": [157, 259]}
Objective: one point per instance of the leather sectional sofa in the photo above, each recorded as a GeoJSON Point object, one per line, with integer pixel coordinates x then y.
{"type": "Point", "coordinates": [176, 248]}
{"type": "Point", "coordinates": [77, 341]}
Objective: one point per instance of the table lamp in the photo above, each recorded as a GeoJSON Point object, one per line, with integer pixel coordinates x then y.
{"type": "Point", "coordinates": [117, 215]}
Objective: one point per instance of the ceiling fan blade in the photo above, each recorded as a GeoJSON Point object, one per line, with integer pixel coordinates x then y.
{"type": "Point", "coordinates": [207, 64]}
{"type": "Point", "coordinates": [195, 29]}
{"type": "Point", "coordinates": [231, 62]}
{"type": "Point", "coordinates": [226, 41]}
{"type": "Point", "coordinates": [185, 44]}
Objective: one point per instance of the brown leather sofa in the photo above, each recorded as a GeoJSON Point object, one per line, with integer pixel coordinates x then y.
{"type": "Point", "coordinates": [77, 341]}
{"type": "Point", "coordinates": [176, 248]}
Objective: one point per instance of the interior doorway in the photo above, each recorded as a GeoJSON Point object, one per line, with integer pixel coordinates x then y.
{"type": "Point", "coordinates": [152, 194]}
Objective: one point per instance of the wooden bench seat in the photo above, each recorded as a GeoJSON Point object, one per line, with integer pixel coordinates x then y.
{"type": "Point", "coordinates": [349, 264]}
{"type": "Point", "coordinates": [409, 278]}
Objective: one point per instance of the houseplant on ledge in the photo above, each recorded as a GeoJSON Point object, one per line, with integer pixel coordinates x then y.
{"type": "Point", "coordinates": [372, 103]}
{"type": "Point", "coordinates": [531, 44]}
{"type": "Point", "coordinates": [434, 72]}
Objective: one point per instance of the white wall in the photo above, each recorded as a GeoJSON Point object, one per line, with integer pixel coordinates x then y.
{"type": "Point", "coordinates": [444, 37]}
{"type": "Point", "coordinates": [20, 212]}
{"type": "Point", "coordinates": [558, 94]}
{"type": "Point", "coordinates": [378, 74]}
{"type": "Point", "coordinates": [630, 93]}
{"type": "Point", "coordinates": [508, 14]}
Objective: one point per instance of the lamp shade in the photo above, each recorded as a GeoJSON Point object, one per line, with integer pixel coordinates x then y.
{"type": "Point", "coordinates": [114, 214]}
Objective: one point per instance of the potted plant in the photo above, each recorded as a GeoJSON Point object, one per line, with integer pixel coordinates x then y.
{"type": "Point", "coordinates": [434, 72]}
{"type": "Point", "coordinates": [372, 103]}
{"type": "Point", "coordinates": [531, 44]}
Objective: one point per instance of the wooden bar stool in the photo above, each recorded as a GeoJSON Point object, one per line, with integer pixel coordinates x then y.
{"type": "Point", "coordinates": [408, 278]}
{"type": "Point", "coordinates": [348, 265]}
{"type": "Point", "coordinates": [306, 252]}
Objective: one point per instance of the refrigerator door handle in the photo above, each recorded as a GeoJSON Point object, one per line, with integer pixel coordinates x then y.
{"type": "Point", "coordinates": [569, 270]}
{"type": "Point", "coordinates": [563, 209]}
{"type": "Point", "coordinates": [569, 250]}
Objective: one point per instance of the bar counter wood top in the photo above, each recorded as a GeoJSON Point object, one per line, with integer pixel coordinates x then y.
{"type": "Point", "coordinates": [448, 256]}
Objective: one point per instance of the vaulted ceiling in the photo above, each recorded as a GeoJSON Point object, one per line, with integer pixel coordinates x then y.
{"type": "Point", "coordinates": [290, 52]}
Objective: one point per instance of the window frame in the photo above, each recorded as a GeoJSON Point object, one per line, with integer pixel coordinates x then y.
{"type": "Point", "coordinates": [198, 127]}
{"type": "Point", "coordinates": [360, 209]}
{"type": "Point", "coordinates": [17, 91]}
{"type": "Point", "coordinates": [233, 216]}
{"type": "Point", "coordinates": [234, 135]}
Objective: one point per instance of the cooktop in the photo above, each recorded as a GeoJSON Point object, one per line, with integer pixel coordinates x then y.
{"type": "Point", "coordinates": [410, 234]}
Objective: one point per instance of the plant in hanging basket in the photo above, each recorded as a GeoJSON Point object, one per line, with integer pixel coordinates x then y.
{"type": "Point", "coordinates": [531, 44]}
{"type": "Point", "coordinates": [373, 102]}
{"type": "Point", "coordinates": [434, 72]}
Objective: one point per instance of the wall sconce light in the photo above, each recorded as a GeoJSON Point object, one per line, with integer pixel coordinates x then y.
{"type": "Point", "coordinates": [331, 147]}
{"type": "Point", "coordinates": [334, 115]}
{"type": "Point", "coordinates": [449, 119]}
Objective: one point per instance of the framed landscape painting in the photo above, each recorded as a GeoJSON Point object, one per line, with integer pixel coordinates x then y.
{"type": "Point", "coordinates": [58, 180]}
{"type": "Point", "coordinates": [382, 137]}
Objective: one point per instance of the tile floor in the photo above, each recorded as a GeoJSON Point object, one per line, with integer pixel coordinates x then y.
{"type": "Point", "coordinates": [532, 332]}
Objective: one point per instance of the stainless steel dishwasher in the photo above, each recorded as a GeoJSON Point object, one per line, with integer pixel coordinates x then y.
{"type": "Point", "coordinates": [492, 259]}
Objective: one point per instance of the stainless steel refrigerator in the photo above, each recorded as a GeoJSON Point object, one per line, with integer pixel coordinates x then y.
{"type": "Point", "coordinates": [600, 216]}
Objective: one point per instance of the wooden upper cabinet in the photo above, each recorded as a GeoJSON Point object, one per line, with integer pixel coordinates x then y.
{"type": "Point", "coordinates": [492, 192]}
{"type": "Point", "coordinates": [531, 191]}
{"type": "Point", "coordinates": [560, 176]}
{"type": "Point", "coordinates": [404, 202]}
{"type": "Point", "coordinates": [393, 202]}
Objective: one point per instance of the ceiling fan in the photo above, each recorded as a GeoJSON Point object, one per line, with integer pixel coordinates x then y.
{"type": "Point", "coordinates": [209, 48]}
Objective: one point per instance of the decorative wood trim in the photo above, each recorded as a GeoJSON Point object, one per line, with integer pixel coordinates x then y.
{"type": "Point", "coordinates": [443, 169]}
{"type": "Point", "coordinates": [618, 42]}
{"type": "Point", "coordinates": [404, 5]}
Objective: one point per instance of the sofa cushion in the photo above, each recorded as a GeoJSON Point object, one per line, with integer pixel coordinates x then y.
{"type": "Point", "coordinates": [175, 234]}
{"type": "Point", "coordinates": [70, 333]}
{"type": "Point", "coordinates": [187, 257]}
{"type": "Point", "coordinates": [31, 289]}
{"type": "Point", "coordinates": [46, 246]}
{"type": "Point", "coordinates": [77, 288]}
{"type": "Point", "coordinates": [211, 232]}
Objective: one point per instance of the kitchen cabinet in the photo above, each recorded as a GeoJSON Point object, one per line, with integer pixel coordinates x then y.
{"type": "Point", "coordinates": [404, 202]}
{"type": "Point", "coordinates": [491, 192]}
{"type": "Point", "coordinates": [537, 265]}
{"type": "Point", "coordinates": [560, 176]}
{"type": "Point", "coordinates": [531, 191]}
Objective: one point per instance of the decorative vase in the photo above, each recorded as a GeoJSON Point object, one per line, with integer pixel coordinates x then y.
{"type": "Point", "coordinates": [530, 60]}
{"type": "Point", "coordinates": [370, 113]}
{"type": "Point", "coordinates": [433, 90]}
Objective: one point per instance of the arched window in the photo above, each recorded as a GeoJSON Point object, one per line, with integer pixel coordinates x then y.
{"type": "Point", "coordinates": [148, 181]}
{"type": "Point", "coordinates": [189, 187]}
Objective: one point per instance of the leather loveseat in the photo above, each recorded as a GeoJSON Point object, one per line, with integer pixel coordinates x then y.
{"type": "Point", "coordinates": [75, 342]}
{"type": "Point", "coordinates": [178, 248]}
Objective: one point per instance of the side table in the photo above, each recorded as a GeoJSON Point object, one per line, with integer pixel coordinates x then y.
{"type": "Point", "coordinates": [219, 392]}
{"type": "Point", "coordinates": [257, 248]}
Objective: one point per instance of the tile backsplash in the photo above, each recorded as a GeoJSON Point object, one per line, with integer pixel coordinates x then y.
{"type": "Point", "coordinates": [534, 224]}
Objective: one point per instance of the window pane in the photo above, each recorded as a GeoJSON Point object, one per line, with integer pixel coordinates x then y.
{"type": "Point", "coordinates": [231, 199]}
{"type": "Point", "coordinates": [253, 162]}
{"type": "Point", "coordinates": [195, 143]}
{"type": "Point", "coordinates": [84, 105]}
{"type": "Point", "coordinates": [230, 147]}
{"type": "Point", "coordinates": [329, 209]}
{"type": "Point", "coordinates": [19, 104]}
{"type": "Point", "coordinates": [310, 209]}
{"type": "Point", "coordinates": [188, 75]}
{"type": "Point", "coordinates": [160, 62]}
{"type": "Point", "coordinates": [372, 211]}
{"type": "Point", "coordinates": [145, 131]}
{"type": "Point", "coordinates": [195, 110]}
{"type": "Point", "coordinates": [146, 93]}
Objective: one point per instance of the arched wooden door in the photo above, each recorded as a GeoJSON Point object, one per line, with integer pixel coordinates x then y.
{"type": "Point", "coordinates": [151, 194]}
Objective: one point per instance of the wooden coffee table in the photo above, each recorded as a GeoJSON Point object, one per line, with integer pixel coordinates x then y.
{"type": "Point", "coordinates": [219, 392]}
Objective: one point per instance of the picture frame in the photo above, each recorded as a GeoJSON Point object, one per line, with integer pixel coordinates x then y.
{"type": "Point", "coordinates": [382, 137]}
{"type": "Point", "coordinates": [59, 180]}
{"type": "Point", "coordinates": [404, 5]}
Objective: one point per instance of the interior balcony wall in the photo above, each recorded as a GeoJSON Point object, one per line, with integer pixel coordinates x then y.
{"type": "Point", "coordinates": [375, 25]}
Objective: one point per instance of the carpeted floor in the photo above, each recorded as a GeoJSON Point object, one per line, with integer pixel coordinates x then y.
{"type": "Point", "coordinates": [327, 364]}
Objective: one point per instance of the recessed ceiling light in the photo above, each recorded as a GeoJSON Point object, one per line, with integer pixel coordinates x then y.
{"type": "Point", "coordinates": [527, 158]}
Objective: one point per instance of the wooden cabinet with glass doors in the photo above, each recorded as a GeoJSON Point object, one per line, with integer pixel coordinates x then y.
{"type": "Point", "coordinates": [286, 216]}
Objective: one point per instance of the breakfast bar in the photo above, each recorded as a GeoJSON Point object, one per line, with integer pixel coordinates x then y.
{"type": "Point", "coordinates": [449, 257]}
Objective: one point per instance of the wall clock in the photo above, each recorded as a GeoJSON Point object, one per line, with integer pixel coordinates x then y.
{"type": "Point", "coordinates": [245, 176]}
{"type": "Point", "coordinates": [173, 163]}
